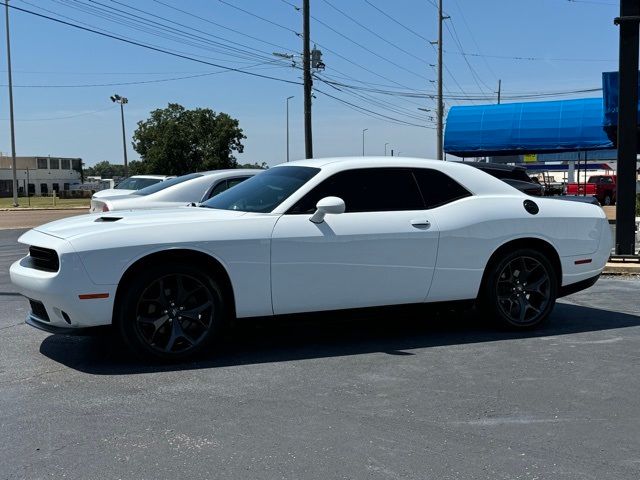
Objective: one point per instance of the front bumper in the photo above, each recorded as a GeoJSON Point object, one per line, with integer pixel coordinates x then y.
{"type": "Point", "coordinates": [35, 322]}
{"type": "Point", "coordinates": [59, 292]}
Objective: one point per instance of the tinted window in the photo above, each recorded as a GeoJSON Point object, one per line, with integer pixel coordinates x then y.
{"type": "Point", "coordinates": [136, 183]}
{"type": "Point", "coordinates": [438, 188]}
{"type": "Point", "coordinates": [366, 190]}
{"type": "Point", "coordinates": [225, 185]}
{"type": "Point", "coordinates": [263, 192]}
{"type": "Point", "coordinates": [158, 185]}
{"type": "Point", "coordinates": [219, 188]}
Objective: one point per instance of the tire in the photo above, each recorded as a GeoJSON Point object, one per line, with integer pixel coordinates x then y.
{"type": "Point", "coordinates": [515, 300]}
{"type": "Point", "coordinates": [608, 200]}
{"type": "Point", "coordinates": [171, 312]}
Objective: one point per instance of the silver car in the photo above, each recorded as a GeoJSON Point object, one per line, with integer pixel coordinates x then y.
{"type": "Point", "coordinates": [183, 190]}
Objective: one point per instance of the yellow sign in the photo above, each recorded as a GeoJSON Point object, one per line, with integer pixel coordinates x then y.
{"type": "Point", "coordinates": [530, 158]}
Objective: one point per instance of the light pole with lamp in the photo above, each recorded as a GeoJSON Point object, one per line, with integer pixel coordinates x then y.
{"type": "Point", "coordinates": [122, 100]}
{"type": "Point", "coordinates": [363, 130]}
{"type": "Point", "coordinates": [288, 98]}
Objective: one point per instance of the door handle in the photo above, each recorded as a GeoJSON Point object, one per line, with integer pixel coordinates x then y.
{"type": "Point", "coordinates": [421, 223]}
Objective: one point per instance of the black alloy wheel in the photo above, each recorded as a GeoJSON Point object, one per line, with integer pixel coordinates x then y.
{"type": "Point", "coordinates": [521, 289]}
{"type": "Point", "coordinates": [171, 312]}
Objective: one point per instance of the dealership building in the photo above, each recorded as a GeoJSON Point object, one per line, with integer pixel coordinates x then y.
{"type": "Point", "coordinates": [40, 175]}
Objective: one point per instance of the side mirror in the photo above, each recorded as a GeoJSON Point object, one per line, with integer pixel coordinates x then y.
{"type": "Point", "coordinates": [333, 205]}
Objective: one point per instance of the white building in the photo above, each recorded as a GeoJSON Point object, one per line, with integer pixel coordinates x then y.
{"type": "Point", "coordinates": [41, 175]}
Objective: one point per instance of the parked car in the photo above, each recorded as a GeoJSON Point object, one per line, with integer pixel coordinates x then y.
{"type": "Point", "coordinates": [516, 176]}
{"type": "Point", "coordinates": [552, 186]}
{"type": "Point", "coordinates": [131, 184]}
{"type": "Point", "coordinates": [603, 187]}
{"type": "Point", "coordinates": [312, 235]}
{"type": "Point", "coordinates": [176, 192]}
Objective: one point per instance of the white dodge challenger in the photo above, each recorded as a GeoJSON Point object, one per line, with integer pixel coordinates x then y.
{"type": "Point", "coordinates": [312, 235]}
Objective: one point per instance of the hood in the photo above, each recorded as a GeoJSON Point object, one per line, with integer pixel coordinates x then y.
{"type": "Point", "coordinates": [99, 223]}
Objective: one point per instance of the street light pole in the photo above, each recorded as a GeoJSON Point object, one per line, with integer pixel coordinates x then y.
{"type": "Point", "coordinates": [122, 100]}
{"type": "Point", "coordinates": [13, 134]}
{"type": "Point", "coordinates": [385, 148]}
{"type": "Point", "coordinates": [287, 101]}
{"type": "Point", "coordinates": [363, 130]}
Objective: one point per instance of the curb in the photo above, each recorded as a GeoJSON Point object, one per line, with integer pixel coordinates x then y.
{"type": "Point", "coordinates": [38, 209]}
{"type": "Point", "coordinates": [620, 268]}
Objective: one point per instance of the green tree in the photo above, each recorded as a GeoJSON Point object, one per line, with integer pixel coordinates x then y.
{"type": "Point", "coordinates": [262, 165]}
{"type": "Point", "coordinates": [176, 141]}
{"type": "Point", "coordinates": [105, 169]}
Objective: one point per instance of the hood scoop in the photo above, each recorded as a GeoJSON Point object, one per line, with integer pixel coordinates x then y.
{"type": "Point", "coordinates": [107, 219]}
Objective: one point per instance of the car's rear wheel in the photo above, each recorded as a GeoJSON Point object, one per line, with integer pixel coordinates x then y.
{"type": "Point", "coordinates": [171, 312]}
{"type": "Point", "coordinates": [520, 289]}
{"type": "Point", "coordinates": [608, 200]}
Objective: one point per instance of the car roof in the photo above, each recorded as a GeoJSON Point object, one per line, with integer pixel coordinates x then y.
{"type": "Point", "coordinates": [226, 171]}
{"type": "Point", "coordinates": [474, 179]}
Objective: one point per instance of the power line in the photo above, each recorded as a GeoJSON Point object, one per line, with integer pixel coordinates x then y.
{"type": "Point", "coordinates": [397, 22]}
{"type": "Point", "coordinates": [93, 112]}
{"type": "Point", "coordinates": [220, 25]}
{"type": "Point", "coordinates": [261, 18]}
{"type": "Point", "coordinates": [152, 48]}
{"type": "Point", "coordinates": [135, 26]}
{"type": "Point", "coordinates": [337, 32]}
{"type": "Point", "coordinates": [138, 82]}
{"type": "Point", "coordinates": [247, 51]}
{"type": "Point", "coordinates": [366, 110]}
{"type": "Point", "coordinates": [373, 32]}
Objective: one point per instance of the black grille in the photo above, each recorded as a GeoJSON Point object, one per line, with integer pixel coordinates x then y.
{"type": "Point", "coordinates": [44, 259]}
{"type": "Point", "coordinates": [38, 310]}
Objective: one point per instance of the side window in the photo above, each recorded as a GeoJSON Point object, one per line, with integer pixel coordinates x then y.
{"type": "Point", "coordinates": [366, 190]}
{"type": "Point", "coordinates": [438, 188]}
{"type": "Point", "coordinates": [232, 182]}
{"type": "Point", "coordinates": [219, 188]}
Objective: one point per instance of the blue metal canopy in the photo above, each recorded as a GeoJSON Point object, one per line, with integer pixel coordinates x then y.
{"type": "Point", "coordinates": [535, 127]}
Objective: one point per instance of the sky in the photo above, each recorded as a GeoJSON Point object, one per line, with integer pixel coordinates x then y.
{"type": "Point", "coordinates": [63, 77]}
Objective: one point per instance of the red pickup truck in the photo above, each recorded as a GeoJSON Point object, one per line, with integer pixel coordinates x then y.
{"type": "Point", "coordinates": [603, 187]}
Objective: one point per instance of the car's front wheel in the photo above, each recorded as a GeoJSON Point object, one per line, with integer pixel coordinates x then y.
{"type": "Point", "coordinates": [520, 289]}
{"type": "Point", "coordinates": [171, 311]}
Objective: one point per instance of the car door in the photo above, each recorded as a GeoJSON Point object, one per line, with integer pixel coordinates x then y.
{"type": "Point", "coordinates": [381, 251]}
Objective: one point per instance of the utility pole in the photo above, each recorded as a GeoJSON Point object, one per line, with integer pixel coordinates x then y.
{"type": "Point", "coordinates": [385, 148]}
{"type": "Point", "coordinates": [499, 90]}
{"type": "Point", "coordinates": [122, 100]}
{"type": "Point", "coordinates": [11, 121]}
{"type": "Point", "coordinates": [363, 130]}
{"type": "Point", "coordinates": [288, 98]}
{"type": "Point", "coordinates": [306, 67]}
{"type": "Point", "coordinates": [440, 116]}
{"type": "Point", "coordinates": [627, 125]}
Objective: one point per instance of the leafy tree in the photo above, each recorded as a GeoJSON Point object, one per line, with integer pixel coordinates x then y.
{"type": "Point", "coordinates": [262, 165]}
{"type": "Point", "coordinates": [136, 167]}
{"type": "Point", "coordinates": [105, 169]}
{"type": "Point", "coordinates": [176, 141]}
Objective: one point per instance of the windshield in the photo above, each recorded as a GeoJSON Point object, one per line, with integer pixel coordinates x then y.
{"type": "Point", "coordinates": [166, 184]}
{"type": "Point", "coordinates": [264, 192]}
{"type": "Point", "coordinates": [136, 183]}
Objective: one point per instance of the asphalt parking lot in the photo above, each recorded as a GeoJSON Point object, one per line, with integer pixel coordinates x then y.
{"type": "Point", "coordinates": [392, 393]}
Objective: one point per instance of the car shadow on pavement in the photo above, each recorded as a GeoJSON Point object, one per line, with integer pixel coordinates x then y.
{"type": "Point", "coordinates": [394, 331]}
